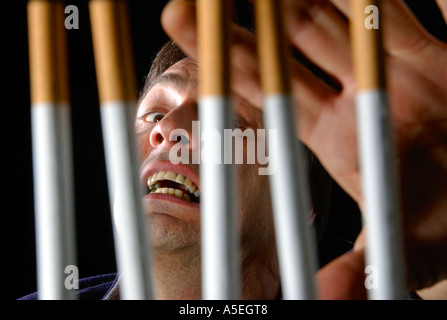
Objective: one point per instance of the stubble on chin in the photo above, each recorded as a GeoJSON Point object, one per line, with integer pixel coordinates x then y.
{"type": "Point", "coordinates": [168, 234]}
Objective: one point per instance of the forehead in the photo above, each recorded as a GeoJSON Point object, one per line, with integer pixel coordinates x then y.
{"type": "Point", "coordinates": [186, 67]}
{"type": "Point", "coordinates": [180, 75]}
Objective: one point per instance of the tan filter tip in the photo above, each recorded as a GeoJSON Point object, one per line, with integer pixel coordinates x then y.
{"type": "Point", "coordinates": [47, 52]}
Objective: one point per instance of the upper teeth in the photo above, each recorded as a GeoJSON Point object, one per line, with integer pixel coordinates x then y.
{"type": "Point", "coordinates": [172, 176]}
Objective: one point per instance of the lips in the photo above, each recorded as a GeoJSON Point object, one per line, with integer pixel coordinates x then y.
{"type": "Point", "coordinates": [173, 183]}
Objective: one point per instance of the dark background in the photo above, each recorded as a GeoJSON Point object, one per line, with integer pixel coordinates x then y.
{"type": "Point", "coordinates": [95, 242]}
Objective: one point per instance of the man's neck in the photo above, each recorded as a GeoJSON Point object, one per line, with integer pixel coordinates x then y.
{"type": "Point", "coordinates": [177, 276]}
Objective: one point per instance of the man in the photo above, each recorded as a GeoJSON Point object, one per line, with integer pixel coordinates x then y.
{"type": "Point", "coordinates": [169, 101]}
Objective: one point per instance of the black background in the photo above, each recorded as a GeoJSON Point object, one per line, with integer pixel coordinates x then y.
{"type": "Point", "coordinates": [95, 242]}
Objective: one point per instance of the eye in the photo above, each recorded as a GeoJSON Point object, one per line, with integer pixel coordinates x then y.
{"type": "Point", "coordinates": [152, 117]}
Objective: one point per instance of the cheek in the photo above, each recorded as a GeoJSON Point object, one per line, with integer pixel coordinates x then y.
{"type": "Point", "coordinates": [254, 195]}
{"type": "Point", "coordinates": [143, 145]}
{"type": "Point", "coordinates": [255, 216]}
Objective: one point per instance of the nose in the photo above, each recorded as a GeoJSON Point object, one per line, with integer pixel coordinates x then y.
{"type": "Point", "coordinates": [176, 127]}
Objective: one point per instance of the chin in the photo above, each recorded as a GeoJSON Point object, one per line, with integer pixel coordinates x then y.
{"type": "Point", "coordinates": [170, 234]}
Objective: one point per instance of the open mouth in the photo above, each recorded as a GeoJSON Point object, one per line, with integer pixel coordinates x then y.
{"type": "Point", "coordinates": [174, 184]}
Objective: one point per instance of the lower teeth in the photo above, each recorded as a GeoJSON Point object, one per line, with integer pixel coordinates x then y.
{"type": "Point", "coordinates": [175, 192]}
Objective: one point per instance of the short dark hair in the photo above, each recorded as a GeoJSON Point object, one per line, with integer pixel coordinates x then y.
{"type": "Point", "coordinates": [168, 55]}
{"type": "Point", "coordinates": [319, 180]}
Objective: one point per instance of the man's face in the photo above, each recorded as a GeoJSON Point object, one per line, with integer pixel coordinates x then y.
{"type": "Point", "coordinates": [173, 195]}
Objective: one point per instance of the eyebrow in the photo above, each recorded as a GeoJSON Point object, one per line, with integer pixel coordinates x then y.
{"type": "Point", "coordinates": [170, 78]}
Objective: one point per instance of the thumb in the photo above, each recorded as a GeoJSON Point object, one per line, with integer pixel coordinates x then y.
{"type": "Point", "coordinates": [443, 7]}
{"type": "Point", "coordinates": [179, 22]}
{"type": "Point", "coordinates": [343, 278]}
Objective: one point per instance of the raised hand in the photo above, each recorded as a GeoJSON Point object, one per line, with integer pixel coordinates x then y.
{"type": "Point", "coordinates": [417, 78]}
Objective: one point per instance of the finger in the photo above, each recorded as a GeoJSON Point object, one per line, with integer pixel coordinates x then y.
{"type": "Point", "coordinates": [343, 6]}
{"type": "Point", "coordinates": [360, 241]}
{"type": "Point", "coordinates": [343, 278]}
{"type": "Point", "coordinates": [404, 36]}
{"type": "Point", "coordinates": [442, 4]}
{"type": "Point", "coordinates": [321, 33]}
{"type": "Point", "coordinates": [178, 20]}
